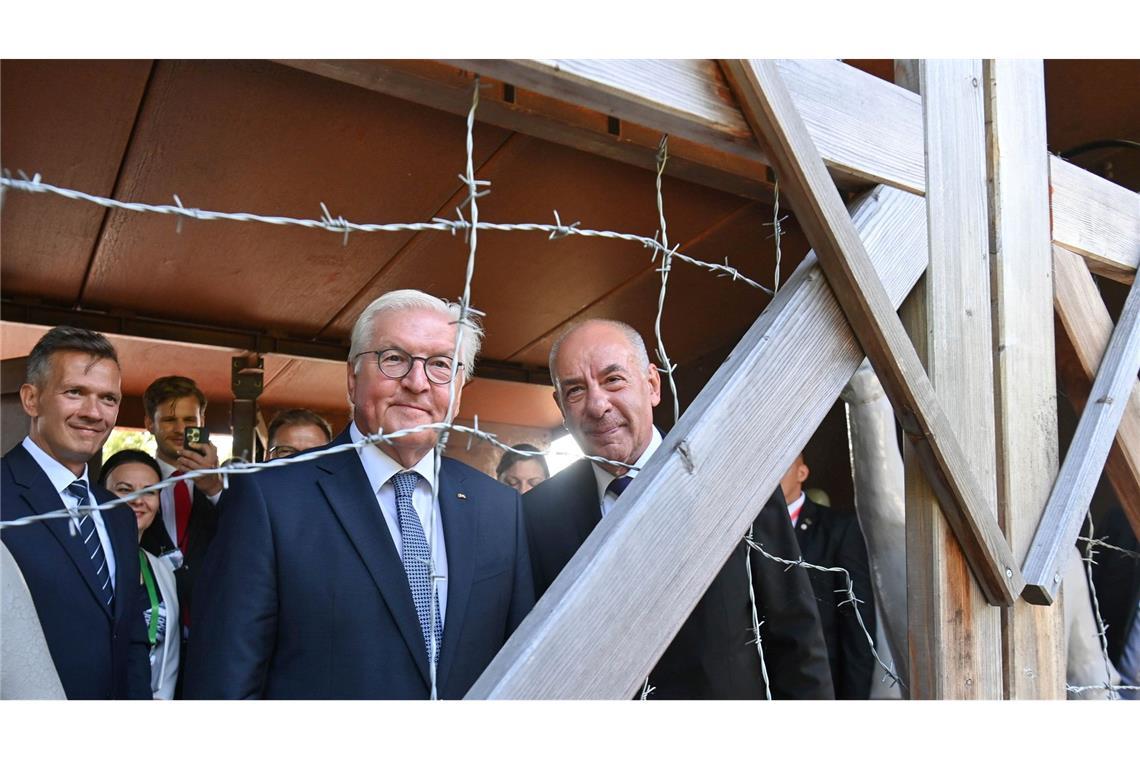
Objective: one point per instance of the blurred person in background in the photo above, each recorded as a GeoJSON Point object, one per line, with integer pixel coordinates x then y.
{"type": "Point", "coordinates": [295, 430]}
{"type": "Point", "coordinates": [521, 472]}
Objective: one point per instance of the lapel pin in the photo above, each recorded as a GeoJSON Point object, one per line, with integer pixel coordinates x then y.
{"type": "Point", "coordinates": [461, 496]}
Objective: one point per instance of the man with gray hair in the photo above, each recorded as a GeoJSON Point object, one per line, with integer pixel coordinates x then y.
{"type": "Point", "coordinates": [607, 388]}
{"type": "Point", "coordinates": [363, 574]}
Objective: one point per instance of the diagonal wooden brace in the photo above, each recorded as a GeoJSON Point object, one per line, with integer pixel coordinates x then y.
{"type": "Point", "coordinates": [1073, 490]}
{"type": "Point", "coordinates": [772, 115]}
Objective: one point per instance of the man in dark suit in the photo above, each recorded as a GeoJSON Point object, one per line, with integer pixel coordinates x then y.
{"type": "Point", "coordinates": [362, 574]}
{"type": "Point", "coordinates": [831, 539]}
{"type": "Point", "coordinates": [188, 509]}
{"type": "Point", "coordinates": [1116, 575]}
{"type": "Point", "coordinates": [85, 586]}
{"type": "Point", "coordinates": [606, 389]}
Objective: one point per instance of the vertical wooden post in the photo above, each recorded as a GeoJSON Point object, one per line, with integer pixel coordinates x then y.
{"type": "Point", "coordinates": [1026, 383]}
{"type": "Point", "coordinates": [954, 635]}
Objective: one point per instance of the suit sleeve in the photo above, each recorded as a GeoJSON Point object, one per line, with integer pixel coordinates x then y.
{"type": "Point", "coordinates": [235, 601]}
{"type": "Point", "coordinates": [522, 596]}
{"type": "Point", "coordinates": [858, 663]}
{"type": "Point", "coordinates": [795, 652]}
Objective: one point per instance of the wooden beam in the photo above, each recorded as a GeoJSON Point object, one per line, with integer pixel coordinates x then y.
{"type": "Point", "coordinates": [954, 635]}
{"type": "Point", "coordinates": [447, 88]}
{"type": "Point", "coordinates": [1096, 218]}
{"type": "Point", "coordinates": [1086, 329]}
{"type": "Point", "coordinates": [821, 214]}
{"type": "Point", "coordinates": [1069, 501]}
{"type": "Point", "coordinates": [853, 116]}
{"type": "Point", "coordinates": [1033, 651]}
{"type": "Point", "coordinates": [684, 514]}
{"type": "Point", "coordinates": [866, 129]}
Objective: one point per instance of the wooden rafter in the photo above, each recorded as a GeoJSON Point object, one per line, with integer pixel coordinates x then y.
{"type": "Point", "coordinates": [773, 115]}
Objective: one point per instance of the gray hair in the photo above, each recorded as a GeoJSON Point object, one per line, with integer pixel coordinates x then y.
{"type": "Point", "coordinates": [65, 338]}
{"type": "Point", "coordinates": [399, 300]}
{"type": "Point", "coordinates": [632, 337]}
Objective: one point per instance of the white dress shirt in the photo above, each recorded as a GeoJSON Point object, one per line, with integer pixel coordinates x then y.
{"type": "Point", "coordinates": [61, 478]}
{"type": "Point", "coordinates": [379, 467]}
{"type": "Point", "coordinates": [795, 507]}
{"type": "Point", "coordinates": [604, 477]}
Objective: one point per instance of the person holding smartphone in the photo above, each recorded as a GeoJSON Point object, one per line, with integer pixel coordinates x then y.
{"type": "Point", "coordinates": [175, 414]}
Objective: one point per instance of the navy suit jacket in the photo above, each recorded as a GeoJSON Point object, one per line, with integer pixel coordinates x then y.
{"type": "Point", "coordinates": [99, 653]}
{"type": "Point", "coordinates": [713, 656]}
{"type": "Point", "coordinates": [303, 595]}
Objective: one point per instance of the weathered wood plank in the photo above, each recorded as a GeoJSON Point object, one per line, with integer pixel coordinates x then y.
{"type": "Point", "coordinates": [1086, 327]}
{"type": "Point", "coordinates": [684, 514]}
{"type": "Point", "coordinates": [1096, 218]}
{"type": "Point", "coordinates": [1033, 658]}
{"type": "Point", "coordinates": [820, 212]}
{"type": "Point", "coordinates": [954, 635]}
{"type": "Point", "coordinates": [1079, 473]}
{"type": "Point", "coordinates": [867, 130]}
{"type": "Point", "coordinates": [449, 89]}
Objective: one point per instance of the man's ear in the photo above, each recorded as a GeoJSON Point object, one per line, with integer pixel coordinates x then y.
{"type": "Point", "coordinates": [654, 378]}
{"type": "Point", "coordinates": [30, 399]}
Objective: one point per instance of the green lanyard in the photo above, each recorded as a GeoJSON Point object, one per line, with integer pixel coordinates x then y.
{"type": "Point", "coordinates": [148, 579]}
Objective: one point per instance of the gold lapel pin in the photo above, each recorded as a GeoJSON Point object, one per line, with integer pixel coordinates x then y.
{"type": "Point", "coordinates": [461, 496]}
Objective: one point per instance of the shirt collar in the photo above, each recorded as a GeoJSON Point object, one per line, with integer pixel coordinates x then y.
{"type": "Point", "coordinates": [60, 476]}
{"type": "Point", "coordinates": [379, 467]}
{"type": "Point", "coordinates": [795, 507]}
{"type": "Point", "coordinates": [604, 477]}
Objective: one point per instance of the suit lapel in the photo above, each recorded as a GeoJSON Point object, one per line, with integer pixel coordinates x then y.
{"type": "Point", "coordinates": [460, 535]}
{"type": "Point", "coordinates": [41, 497]}
{"type": "Point", "coordinates": [585, 511]}
{"type": "Point", "coordinates": [349, 493]}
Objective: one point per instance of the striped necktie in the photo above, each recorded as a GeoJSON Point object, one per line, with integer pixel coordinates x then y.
{"type": "Point", "coordinates": [417, 559]}
{"type": "Point", "coordinates": [91, 544]}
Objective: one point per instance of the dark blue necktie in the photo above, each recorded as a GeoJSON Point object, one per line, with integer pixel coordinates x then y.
{"type": "Point", "coordinates": [416, 556]}
{"type": "Point", "coordinates": [618, 485]}
{"type": "Point", "coordinates": [91, 544]}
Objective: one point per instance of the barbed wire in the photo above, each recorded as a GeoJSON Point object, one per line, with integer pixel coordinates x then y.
{"type": "Point", "coordinates": [1113, 689]}
{"type": "Point", "coordinates": [342, 226]}
{"type": "Point", "coordinates": [758, 641]}
{"type": "Point", "coordinates": [1101, 628]}
{"type": "Point", "coordinates": [851, 599]}
{"type": "Point", "coordinates": [246, 468]}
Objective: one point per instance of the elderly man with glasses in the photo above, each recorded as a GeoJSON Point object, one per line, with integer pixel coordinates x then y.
{"type": "Point", "coordinates": [375, 572]}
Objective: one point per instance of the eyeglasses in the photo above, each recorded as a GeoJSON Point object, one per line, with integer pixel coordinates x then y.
{"type": "Point", "coordinates": [278, 452]}
{"type": "Point", "coordinates": [396, 363]}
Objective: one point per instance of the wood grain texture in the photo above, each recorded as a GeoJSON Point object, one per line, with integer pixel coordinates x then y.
{"type": "Point", "coordinates": [1079, 473]}
{"type": "Point", "coordinates": [1096, 218]}
{"type": "Point", "coordinates": [1086, 327]}
{"type": "Point", "coordinates": [954, 635]}
{"type": "Point", "coordinates": [966, 505]}
{"type": "Point", "coordinates": [680, 522]}
{"type": "Point", "coordinates": [1026, 384]}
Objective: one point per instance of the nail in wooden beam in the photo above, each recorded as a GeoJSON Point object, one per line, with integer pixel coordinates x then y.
{"type": "Point", "coordinates": [1087, 453]}
{"type": "Point", "coordinates": [819, 210]}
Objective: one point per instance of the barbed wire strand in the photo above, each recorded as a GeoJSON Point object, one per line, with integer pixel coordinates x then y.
{"type": "Point", "coordinates": [666, 262]}
{"type": "Point", "coordinates": [247, 468]}
{"type": "Point", "coordinates": [1089, 561]}
{"type": "Point", "coordinates": [851, 599]}
{"type": "Point", "coordinates": [756, 617]}
{"type": "Point", "coordinates": [778, 231]}
{"type": "Point", "coordinates": [342, 226]}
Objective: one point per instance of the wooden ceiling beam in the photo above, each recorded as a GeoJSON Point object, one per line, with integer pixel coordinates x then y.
{"type": "Point", "coordinates": [448, 88]}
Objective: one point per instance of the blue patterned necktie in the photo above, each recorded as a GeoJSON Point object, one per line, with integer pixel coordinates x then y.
{"type": "Point", "coordinates": [417, 558]}
{"type": "Point", "coordinates": [91, 544]}
{"type": "Point", "coordinates": [618, 485]}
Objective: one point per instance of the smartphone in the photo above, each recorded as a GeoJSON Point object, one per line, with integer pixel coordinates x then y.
{"type": "Point", "coordinates": [192, 436]}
